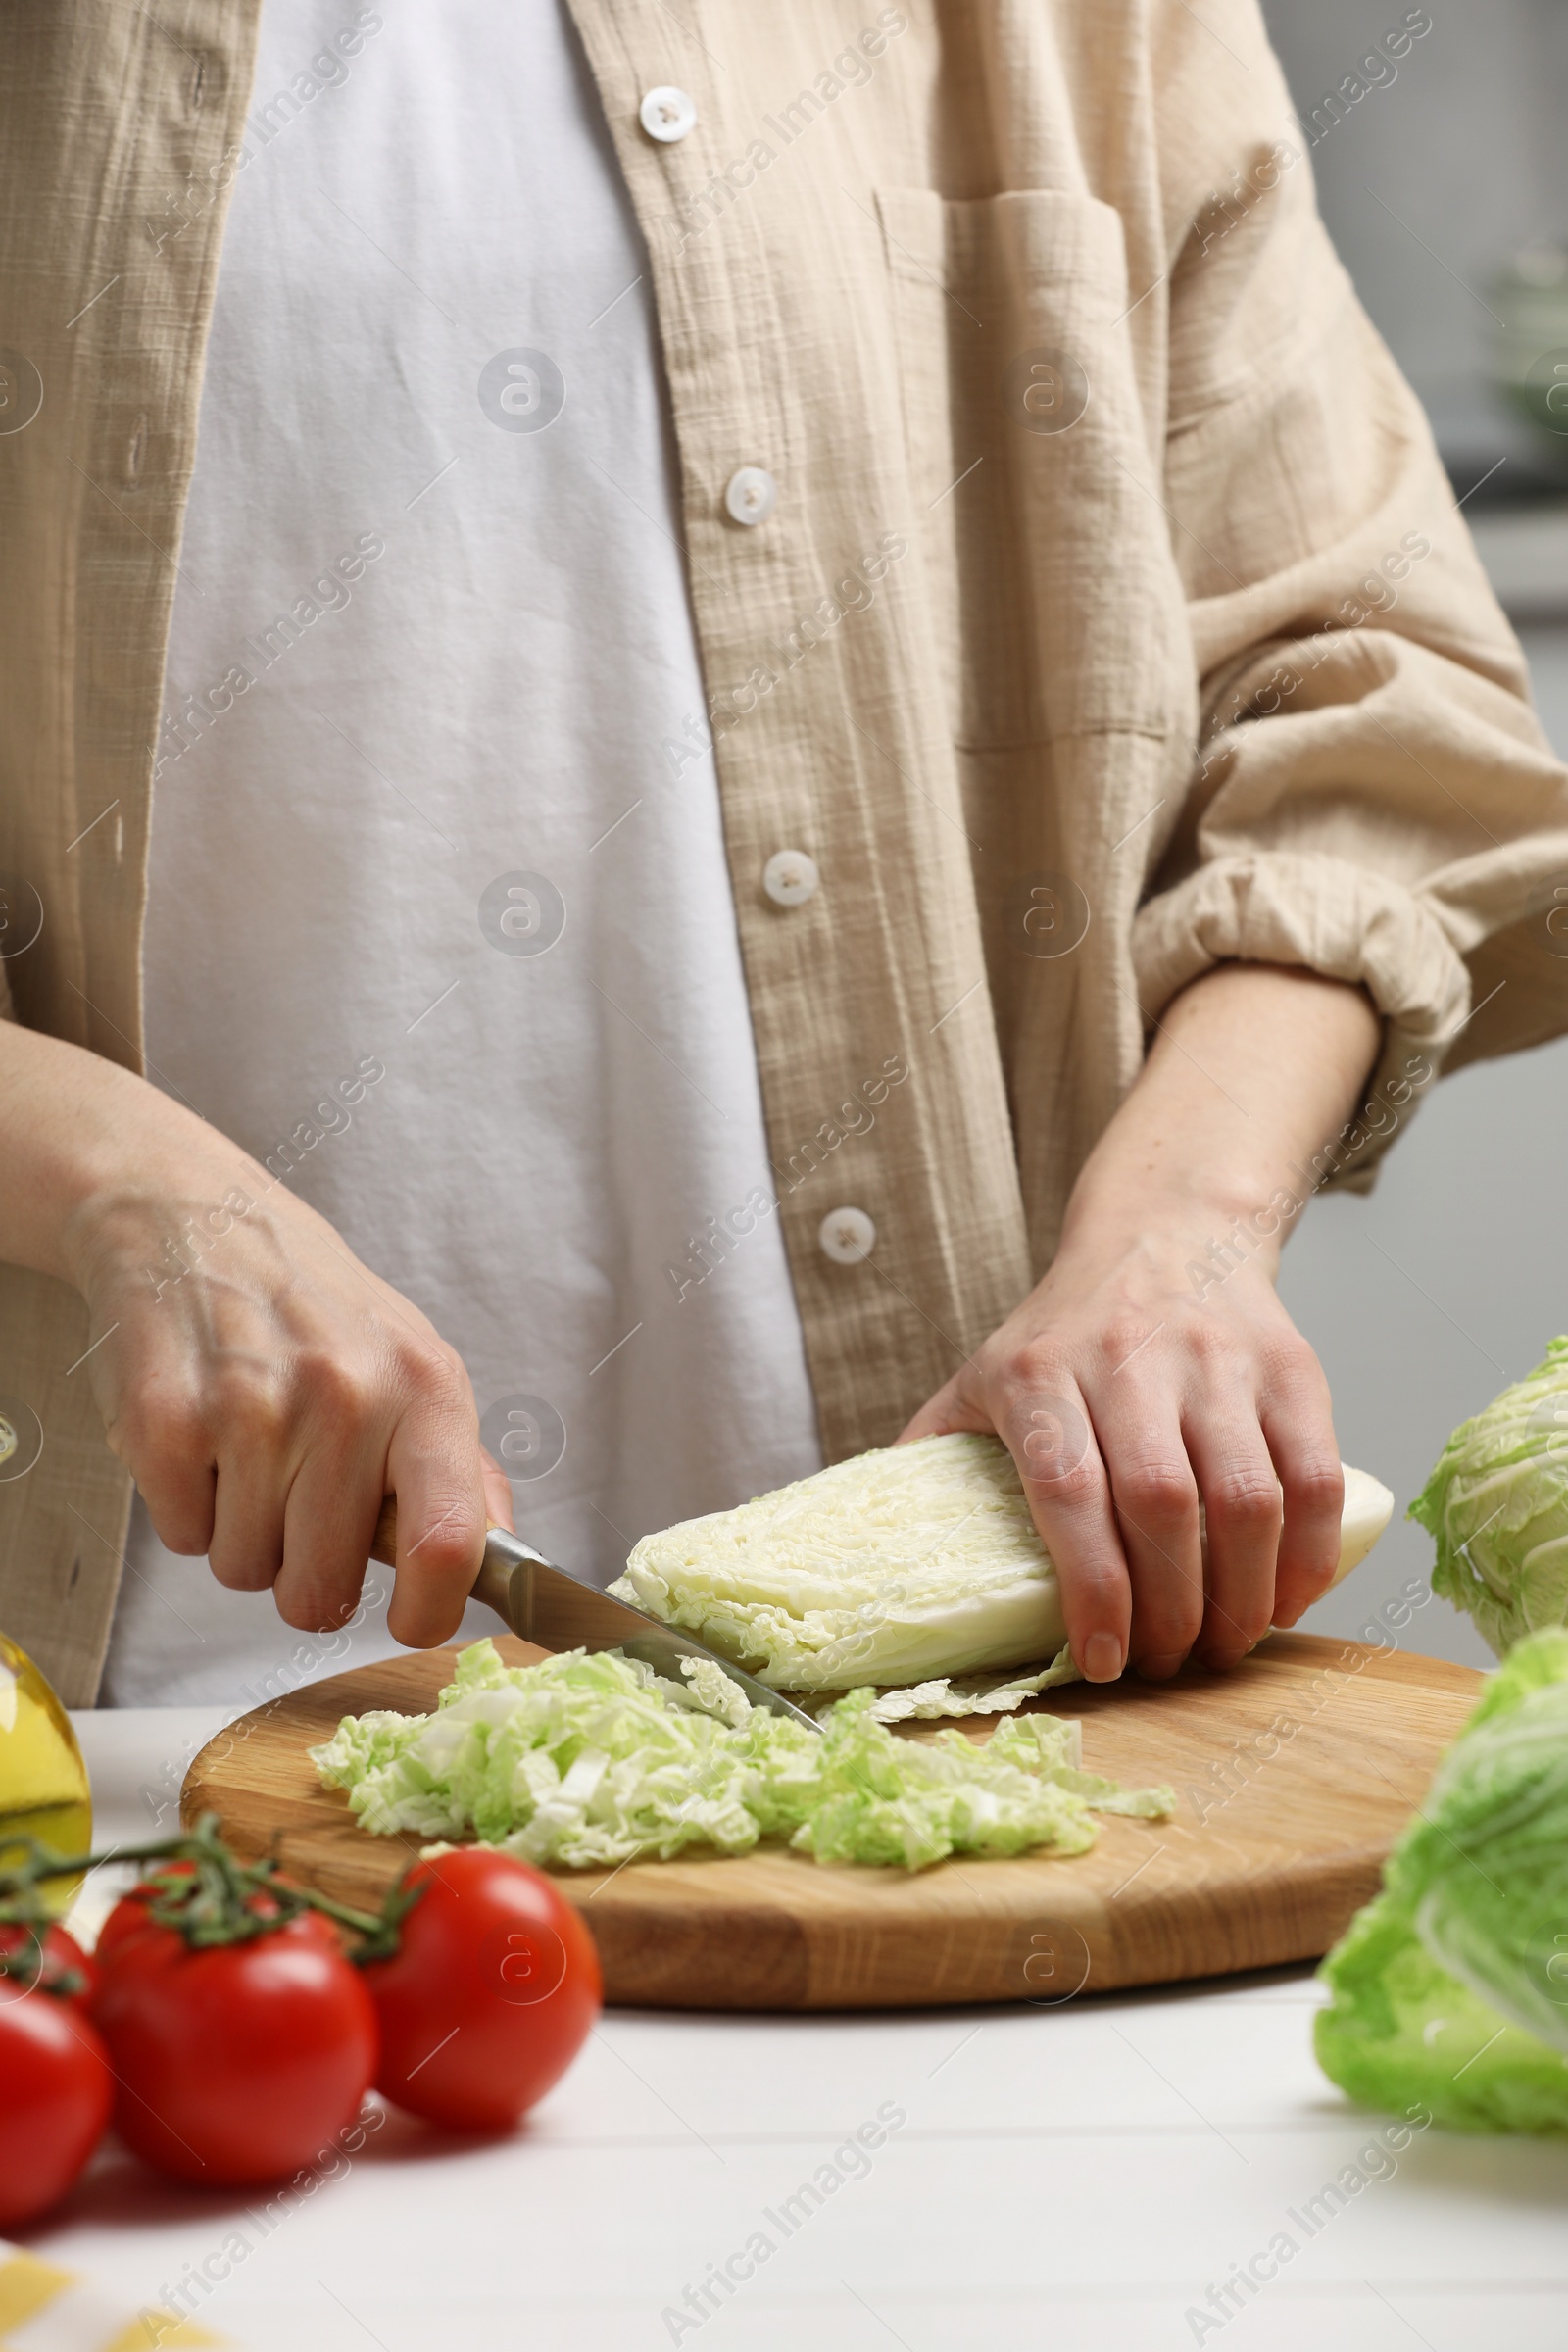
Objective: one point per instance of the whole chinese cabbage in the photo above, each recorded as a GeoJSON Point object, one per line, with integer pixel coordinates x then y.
{"type": "Point", "coordinates": [1450, 1990]}
{"type": "Point", "coordinates": [590, 1761]}
{"type": "Point", "coordinates": [1497, 1506]}
{"type": "Point", "coordinates": [915, 1561]}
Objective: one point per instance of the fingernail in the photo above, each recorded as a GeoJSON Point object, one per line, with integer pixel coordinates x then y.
{"type": "Point", "coordinates": [1102, 1658]}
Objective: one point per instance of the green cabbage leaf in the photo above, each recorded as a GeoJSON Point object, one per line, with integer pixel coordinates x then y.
{"type": "Point", "coordinates": [588, 1761]}
{"type": "Point", "coordinates": [1450, 1990]}
{"type": "Point", "coordinates": [1496, 1504]}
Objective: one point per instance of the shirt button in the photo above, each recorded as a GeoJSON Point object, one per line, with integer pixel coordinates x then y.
{"type": "Point", "coordinates": [668, 114]}
{"type": "Point", "coordinates": [790, 877]}
{"type": "Point", "coordinates": [847, 1235]}
{"type": "Point", "coordinates": [751, 495]}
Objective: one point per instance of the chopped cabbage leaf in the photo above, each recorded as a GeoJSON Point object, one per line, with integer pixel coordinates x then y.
{"type": "Point", "coordinates": [926, 1700]}
{"type": "Point", "coordinates": [1450, 1990]}
{"type": "Point", "coordinates": [587, 1761]}
{"type": "Point", "coordinates": [1497, 1506]}
{"type": "Point", "coordinates": [917, 1562]}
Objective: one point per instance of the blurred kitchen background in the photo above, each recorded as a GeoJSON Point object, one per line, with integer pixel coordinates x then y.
{"type": "Point", "coordinates": [1444, 178]}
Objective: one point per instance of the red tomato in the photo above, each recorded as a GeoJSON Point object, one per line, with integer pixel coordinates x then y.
{"type": "Point", "coordinates": [131, 1910]}
{"type": "Point", "coordinates": [235, 2063]}
{"type": "Point", "coordinates": [63, 1956]}
{"type": "Point", "coordinates": [55, 2095]}
{"type": "Point", "coordinates": [490, 1997]}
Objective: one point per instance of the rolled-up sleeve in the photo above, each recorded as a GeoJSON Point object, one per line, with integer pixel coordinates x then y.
{"type": "Point", "coordinates": [1373, 797]}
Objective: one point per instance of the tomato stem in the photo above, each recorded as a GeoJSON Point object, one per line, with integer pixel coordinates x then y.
{"type": "Point", "coordinates": [207, 1896]}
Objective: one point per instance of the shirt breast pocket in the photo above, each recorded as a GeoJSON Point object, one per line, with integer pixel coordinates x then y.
{"type": "Point", "coordinates": [1034, 499]}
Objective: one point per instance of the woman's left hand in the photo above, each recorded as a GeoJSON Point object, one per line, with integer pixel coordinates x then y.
{"type": "Point", "coordinates": [1152, 1386]}
{"type": "Point", "coordinates": [1126, 1400]}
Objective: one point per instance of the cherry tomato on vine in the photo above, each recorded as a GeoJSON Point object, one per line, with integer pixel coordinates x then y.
{"type": "Point", "coordinates": [134, 1910]}
{"type": "Point", "coordinates": [131, 1911]}
{"type": "Point", "coordinates": [490, 1997]}
{"type": "Point", "coordinates": [55, 2096]}
{"type": "Point", "coordinates": [235, 2062]}
{"type": "Point", "coordinates": [65, 1963]}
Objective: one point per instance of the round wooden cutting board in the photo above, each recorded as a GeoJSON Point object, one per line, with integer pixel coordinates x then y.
{"type": "Point", "coordinates": [1293, 1775]}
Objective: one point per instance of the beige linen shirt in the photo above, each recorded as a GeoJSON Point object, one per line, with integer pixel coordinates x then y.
{"type": "Point", "coordinates": [1113, 619]}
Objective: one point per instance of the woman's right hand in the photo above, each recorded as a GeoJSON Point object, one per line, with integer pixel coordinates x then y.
{"type": "Point", "coordinates": [264, 1387]}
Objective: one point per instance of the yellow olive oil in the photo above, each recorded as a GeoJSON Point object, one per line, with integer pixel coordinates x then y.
{"type": "Point", "coordinates": [44, 1779]}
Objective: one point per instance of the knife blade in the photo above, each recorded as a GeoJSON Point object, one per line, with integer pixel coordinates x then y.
{"type": "Point", "coordinates": [546, 1604]}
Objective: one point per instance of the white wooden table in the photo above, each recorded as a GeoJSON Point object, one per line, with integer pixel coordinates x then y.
{"type": "Point", "coordinates": [1074, 2178]}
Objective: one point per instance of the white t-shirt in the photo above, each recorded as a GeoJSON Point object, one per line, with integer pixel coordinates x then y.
{"type": "Point", "coordinates": [440, 927]}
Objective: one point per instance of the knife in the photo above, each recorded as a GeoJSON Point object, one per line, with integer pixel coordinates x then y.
{"type": "Point", "coordinates": [544, 1604]}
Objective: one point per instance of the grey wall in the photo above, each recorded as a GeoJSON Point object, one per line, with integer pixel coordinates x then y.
{"type": "Point", "coordinates": [1432, 180]}
{"type": "Point", "coordinates": [1427, 1298]}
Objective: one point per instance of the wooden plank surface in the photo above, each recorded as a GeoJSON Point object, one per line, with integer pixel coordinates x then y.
{"type": "Point", "coordinates": [1294, 1776]}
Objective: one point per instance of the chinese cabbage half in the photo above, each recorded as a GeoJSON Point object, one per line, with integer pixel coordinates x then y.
{"type": "Point", "coordinates": [914, 1561]}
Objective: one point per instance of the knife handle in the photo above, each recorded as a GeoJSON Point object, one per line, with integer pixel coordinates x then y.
{"type": "Point", "coordinates": [492, 1584]}
{"type": "Point", "coordinates": [385, 1543]}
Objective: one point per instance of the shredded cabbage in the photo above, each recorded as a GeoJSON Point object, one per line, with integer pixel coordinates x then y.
{"type": "Point", "coordinates": [1497, 1506]}
{"type": "Point", "coordinates": [589, 1761]}
{"type": "Point", "coordinates": [1452, 1987]}
{"type": "Point", "coordinates": [918, 1561]}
